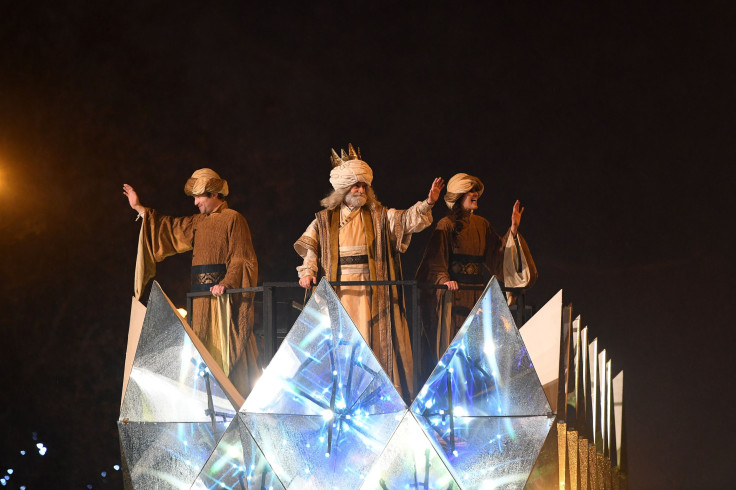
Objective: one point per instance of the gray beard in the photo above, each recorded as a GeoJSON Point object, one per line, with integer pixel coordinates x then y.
{"type": "Point", "coordinates": [355, 200]}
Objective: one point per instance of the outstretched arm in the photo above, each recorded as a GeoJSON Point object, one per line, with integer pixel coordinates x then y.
{"type": "Point", "coordinates": [516, 217]}
{"type": "Point", "coordinates": [133, 199]}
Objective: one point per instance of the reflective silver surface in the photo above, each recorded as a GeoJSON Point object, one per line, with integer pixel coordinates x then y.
{"type": "Point", "coordinates": [483, 407]}
{"type": "Point", "coordinates": [410, 461]}
{"type": "Point", "coordinates": [173, 410]}
{"type": "Point", "coordinates": [237, 463]}
{"type": "Point", "coordinates": [166, 455]}
{"type": "Point", "coordinates": [323, 409]}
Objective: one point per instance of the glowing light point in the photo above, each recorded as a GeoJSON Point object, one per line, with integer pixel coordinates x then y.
{"type": "Point", "coordinates": [327, 415]}
{"type": "Point", "coordinates": [116, 468]}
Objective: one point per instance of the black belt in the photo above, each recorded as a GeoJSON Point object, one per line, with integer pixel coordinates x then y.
{"type": "Point", "coordinates": [206, 276]}
{"type": "Point", "coordinates": [467, 269]}
{"type": "Point", "coordinates": [353, 259]}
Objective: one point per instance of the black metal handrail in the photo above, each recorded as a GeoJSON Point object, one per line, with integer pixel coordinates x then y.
{"type": "Point", "coordinates": [268, 311]}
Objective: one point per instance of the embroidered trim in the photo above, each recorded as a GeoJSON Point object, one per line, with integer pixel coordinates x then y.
{"type": "Point", "coordinates": [205, 276]}
{"type": "Point", "coordinates": [353, 259]}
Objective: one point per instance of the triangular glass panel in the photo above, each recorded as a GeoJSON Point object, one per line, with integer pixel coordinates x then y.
{"type": "Point", "coordinates": [409, 461]}
{"type": "Point", "coordinates": [174, 408]}
{"type": "Point", "coordinates": [483, 406]}
{"type": "Point", "coordinates": [166, 455]}
{"type": "Point", "coordinates": [323, 408]}
{"type": "Point", "coordinates": [237, 463]}
{"type": "Point", "coordinates": [170, 380]}
{"type": "Point", "coordinates": [486, 371]}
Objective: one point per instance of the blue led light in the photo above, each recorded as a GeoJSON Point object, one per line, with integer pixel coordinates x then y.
{"type": "Point", "coordinates": [117, 467]}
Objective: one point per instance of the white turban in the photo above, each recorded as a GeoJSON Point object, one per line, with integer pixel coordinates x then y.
{"type": "Point", "coordinates": [205, 181]}
{"type": "Point", "coordinates": [460, 184]}
{"type": "Point", "coordinates": [349, 173]}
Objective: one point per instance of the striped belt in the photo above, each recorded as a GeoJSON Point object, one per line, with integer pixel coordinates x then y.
{"type": "Point", "coordinates": [353, 259]}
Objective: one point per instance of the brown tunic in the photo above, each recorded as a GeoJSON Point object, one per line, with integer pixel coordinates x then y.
{"type": "Point", "coordinates": [224, 324]}
{"type": "Point", "coordinates": [461, 251]}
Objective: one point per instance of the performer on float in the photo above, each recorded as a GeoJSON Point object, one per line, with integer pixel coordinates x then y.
{"type": "Point", "coordinates": [222, 258]}
{"type": "Point", "coordinates": [355, 238]}
{"type": "Point", "coordinates": [461, 246]}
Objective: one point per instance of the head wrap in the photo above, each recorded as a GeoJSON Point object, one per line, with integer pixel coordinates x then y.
{"type": "Point", "coordinates": [349, 173]}
{"type": "Point", "coordinates": [205, 181]}
{"type": "Point", "coordinates": [460, 184]}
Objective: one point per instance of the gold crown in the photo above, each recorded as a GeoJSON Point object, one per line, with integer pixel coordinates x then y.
{"type": "Point", "coordinates": [352, 154]}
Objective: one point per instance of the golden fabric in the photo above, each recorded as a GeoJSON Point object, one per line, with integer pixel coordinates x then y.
{"type": "Point", "coordinates": [225, 326]}
{"type": "Point", "coordinates": [474, 241]}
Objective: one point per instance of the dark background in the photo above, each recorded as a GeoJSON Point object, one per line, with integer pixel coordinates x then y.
{"type": "Point", "coordinates": [612, 123]}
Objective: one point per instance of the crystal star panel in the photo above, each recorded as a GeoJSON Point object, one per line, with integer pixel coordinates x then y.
{"type": "Point", "coordinates": [486, 371]}
{"type": "Point", "coordinates": [483, 407]}
{"type": "Point", "coordinates": [237, 463]}
{"type": "Point", "coordinates": [409, 461]}
{"type": "Point", "coordinates": [323, 409]}
{"type": "Point", "coordinates": [174, 410]}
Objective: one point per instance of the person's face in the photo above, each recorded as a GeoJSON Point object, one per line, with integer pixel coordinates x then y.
{"type": "Point", "coordinates": [359, 188]}
{"type": "Point", "coordinates": [207, 204]}
{"type": "Point", "coordinates": [356, 196]}
{"type": "Point", "coordinates": [470, 201]}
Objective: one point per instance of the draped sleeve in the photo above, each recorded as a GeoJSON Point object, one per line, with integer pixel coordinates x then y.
{"type": "Point", "coordinates": [307, 246]}
{"type": "Point", "coordinates": [404, 222]}
{"type": "Point", "coordinates": [160, 237]}
{"type": "Point", "coordinates": [509, 259]}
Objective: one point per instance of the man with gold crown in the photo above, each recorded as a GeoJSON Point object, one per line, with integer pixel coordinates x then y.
{"type": "Point", "coordinates": [355, 238]}
{"type": "Point", "coordinates": [222, 258]}
{"type": "Point", "coordinates": [461, 247]}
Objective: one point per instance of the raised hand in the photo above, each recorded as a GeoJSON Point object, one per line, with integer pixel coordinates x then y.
{"type": "Point", "coordinates": [434, 191]}
{"type": "Point", "coordinates": [516, 217]}
{"type": "Point", "coordinates": [132, 198]}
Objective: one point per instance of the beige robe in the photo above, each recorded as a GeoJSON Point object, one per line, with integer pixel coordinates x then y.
{"type": "Point", "coordinates": [224, 324]}
{"type": "Point", "coordinates": [460, 251]}
{"type": "Point", "coordinates": [378, 312]}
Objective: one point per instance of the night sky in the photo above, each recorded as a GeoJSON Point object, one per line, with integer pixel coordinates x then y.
{"type": "Point", "coordinates": [612, 123]}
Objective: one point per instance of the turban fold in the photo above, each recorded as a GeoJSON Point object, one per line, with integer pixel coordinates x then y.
{"type": "Point", "coordinates": [461, 184]}
{"type": "Point", "coordinates": [205, 181]}
{"type": "Point", "coordinates": [350, 173]}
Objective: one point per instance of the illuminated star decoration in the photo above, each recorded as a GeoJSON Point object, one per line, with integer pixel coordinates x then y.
{"type": "Point", "coordinates": [177, 402]}
{"type": "Point", "coordinates": [324, 408]}
{"type": "Point", "coordinates": [483, 407]}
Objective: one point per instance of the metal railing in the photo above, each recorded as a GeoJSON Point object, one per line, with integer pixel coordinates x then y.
{"type": "Point", "coordinates": [273, 306]}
